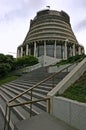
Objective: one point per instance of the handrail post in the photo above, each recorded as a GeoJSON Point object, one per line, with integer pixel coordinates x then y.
{"type": "Point", "coordinates": [53, 82]}
{"type": "Point", "coordinates": [67, 69]}
{"type": "Point", "coordinates": [9, 114]}
{"type": "Point", "coordinates": [48, 105]}
{"type": "Point", "coordinates": [31, 104]}
{"type": "Point", "coordinates": [5, 117]}
{"type": "Point", "coordinates": [50, 77]}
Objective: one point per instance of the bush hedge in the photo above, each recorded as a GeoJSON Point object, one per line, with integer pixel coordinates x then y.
{"type": "Point", "coordinates": [71, 59]}
{"type": "Point", "coordinates": [25, 61]}
{"type": "Point", "coordinates": [8, 63]}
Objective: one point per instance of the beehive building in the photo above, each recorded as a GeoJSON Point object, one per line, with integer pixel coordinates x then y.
{"type": "Point", "coordinates": [50, 37]}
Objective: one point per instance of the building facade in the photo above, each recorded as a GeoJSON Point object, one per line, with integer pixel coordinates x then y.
{"type": "Point", "coordinates": [50, 35]}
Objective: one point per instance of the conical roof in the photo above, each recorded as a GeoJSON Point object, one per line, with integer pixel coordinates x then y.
{"type": "Point", "coordinates": [50, 25]}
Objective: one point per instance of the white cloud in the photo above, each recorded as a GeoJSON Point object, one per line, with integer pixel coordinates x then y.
{"type": "Point", "coordinates": [12, 35]}
{"type": "Point", "coordinates": [22, 8]}
{"type": "Point", "coordinates": [15, 17]}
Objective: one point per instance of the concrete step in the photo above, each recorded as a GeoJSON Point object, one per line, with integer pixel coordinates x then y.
{"type": "Point", "coordinates": [1, 119]}
{"type": "Point", "coordinates": [27, 85]}
{"type": "Point", "coordinates": [26, 98]}
{"type": "Point", "coordinates": [43, 121]}
{"type": "Point", "coordinates": [23, 88]}
{"type": "Point", "coordinates": [19, 111]}
{"type": "Point", "coordinates": [16, 116]}
{"type": "Point", "coordinates": [39, 89]}
{"type": "Point", "coordinates": [19, 90]}
{"type": "Point", "coordinates": [10, 90]}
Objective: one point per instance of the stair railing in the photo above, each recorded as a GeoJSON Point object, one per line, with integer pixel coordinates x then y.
{"type": "Point", "coordinates": [8, 105]}
{"type": "Point", "coordinates": [39, 83]}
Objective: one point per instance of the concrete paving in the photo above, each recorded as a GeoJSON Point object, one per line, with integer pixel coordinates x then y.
{"type": "Point", "coordinates": [43, 121]}
{"type": "Point", "coordinates": [1, 121]}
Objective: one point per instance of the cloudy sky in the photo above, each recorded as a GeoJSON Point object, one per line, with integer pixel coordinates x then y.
{"type": "Point", "coordinates": [15, 16]}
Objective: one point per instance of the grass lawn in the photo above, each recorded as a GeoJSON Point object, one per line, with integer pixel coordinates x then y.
{"type": "Point", "coordinates": [77, 91]}
{"type": "Point", "coordinates": [7, 78]}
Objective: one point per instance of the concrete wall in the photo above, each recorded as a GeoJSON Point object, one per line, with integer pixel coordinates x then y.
{"type": "Point", "coordinates": [69, 79]}
{"type": "Point", "coordinates": [53, 69]}
{"type": "Point", "coordinates": [30, 68]}
{"type": "Point", "coordinates": [72, 112]}
{"type": "Point", "coordinates": [47, 60]}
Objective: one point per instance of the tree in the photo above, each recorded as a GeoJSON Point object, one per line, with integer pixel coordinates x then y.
{"type": "Point", "coordinates": [6, 64]}
{"type": "Point", "coordinates": [2, 58]}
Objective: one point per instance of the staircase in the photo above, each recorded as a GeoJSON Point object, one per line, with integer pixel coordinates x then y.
{"type": "Point", "coordinates": [11, 89]}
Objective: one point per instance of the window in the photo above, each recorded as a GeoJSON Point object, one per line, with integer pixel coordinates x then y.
{"type": "Point", "coordinates": [59, 51]}
{"type": "Point", "coordinates": [40, 50]}
{"type": "Point", "coordinates": [50, 50]}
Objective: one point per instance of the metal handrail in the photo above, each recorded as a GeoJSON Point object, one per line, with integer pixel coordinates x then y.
{"type": "Point", "coordinates": [30, 89]}
{"type": "Point", "coordinates": [28, 102]}
{"type": "Point", "coordinates": [39, 83]}
{"type": "Point", "coordinates": [10, 106]}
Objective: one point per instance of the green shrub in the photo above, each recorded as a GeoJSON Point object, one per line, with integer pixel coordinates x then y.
{"type": "Point", "coordinates": [71, 60]}
{"type": "Point", "coordinates": [4, 69]}
{"type": "Point", "coordinates": [25, 61]}
{"type": "Point", "coordinates": [75, 58]}
{"type": "Point", "coordinates": [8, 63]}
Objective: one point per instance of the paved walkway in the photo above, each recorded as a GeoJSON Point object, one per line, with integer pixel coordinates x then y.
{"type": "Point", "coordinates": [43, 122]}
{"type": "Point", "coordinates": [1, 122]}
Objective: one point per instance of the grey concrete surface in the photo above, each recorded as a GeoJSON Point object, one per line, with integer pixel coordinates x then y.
{"type": "Point", "coordinates": [70, 111]}
{"type": "Point", "coordinates": [42, 121]}
{"type": "Point", "coordinates": [1, 121]}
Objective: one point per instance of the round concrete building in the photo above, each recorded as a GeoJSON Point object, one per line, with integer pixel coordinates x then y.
{"type": "Point", "coordinates": [50, 38]}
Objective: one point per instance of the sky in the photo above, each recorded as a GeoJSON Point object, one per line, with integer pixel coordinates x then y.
{"type": "Point", "coordinates": [15, 18]}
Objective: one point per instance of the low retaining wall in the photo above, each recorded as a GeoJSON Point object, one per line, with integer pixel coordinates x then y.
{"type": "Point", "coordinates": [30, 68]}
{"type": "Point", "coordinates": [47, 60]}
{"type": "Point", "coordinates": [69, 79]}
{"type": "Point", "coordinates": [72, 112]}
{"type": "Point", "coordinates": [53, 69]}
